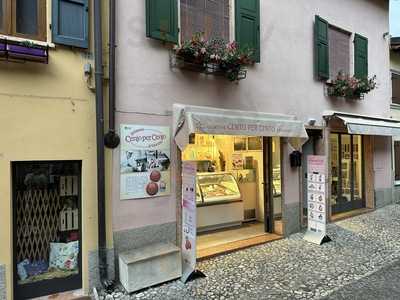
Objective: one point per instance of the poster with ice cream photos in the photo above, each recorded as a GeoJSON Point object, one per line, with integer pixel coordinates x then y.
{"type": "Point", "coordinates": [145, 161]}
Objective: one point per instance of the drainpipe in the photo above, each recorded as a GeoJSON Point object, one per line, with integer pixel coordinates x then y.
{"type": "Point", "coordinates": [98, 49]}
{"type": "Point", "coordinates": [111, 139]}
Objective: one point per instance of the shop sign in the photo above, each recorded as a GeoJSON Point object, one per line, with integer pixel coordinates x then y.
{"type": "Point", "coordinates": [189, 169]}
{"type": "Point", "coordinates": [316, 199]}
{"type": "Point", "coordinates": [145, 161]}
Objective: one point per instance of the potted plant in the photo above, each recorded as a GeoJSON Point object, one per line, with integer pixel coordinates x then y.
{"type": "Point", "coordinates": [215, 56]}
{"type": "Point", "coordinates": [348, 87]}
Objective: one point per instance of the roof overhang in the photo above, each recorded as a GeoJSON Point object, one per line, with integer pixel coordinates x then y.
{"type": "Point", "coordinates": [366, 125]}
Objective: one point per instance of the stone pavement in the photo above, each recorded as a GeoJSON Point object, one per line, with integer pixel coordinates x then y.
{"type": "Point", "coordinates": [295, 269]}
{"type": "Point", "coordinates": [384, 284]}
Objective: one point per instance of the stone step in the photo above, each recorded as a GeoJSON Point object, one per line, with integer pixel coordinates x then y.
{"type": "Point", "coordinates": [150, 265]}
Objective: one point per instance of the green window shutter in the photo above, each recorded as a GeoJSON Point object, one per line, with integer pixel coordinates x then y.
{"type": "Point", "coordinates": [247, 22]}
{"type": "Point", "coordinates": [162, 20]}
{"type": "Point", "coordinates": [70, 22]}
{"type": "Point", "coordinates": [321, 44]}
{"type": "Point", "coordinates": [360, 56]}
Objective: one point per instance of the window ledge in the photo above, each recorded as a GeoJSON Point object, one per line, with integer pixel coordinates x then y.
{"type": "Point", "coordinates": [35, 42]}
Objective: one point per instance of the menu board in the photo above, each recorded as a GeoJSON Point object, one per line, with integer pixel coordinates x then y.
{"type": "Point", "coordinates": [189, 169]}
{"type": "Point", "coordinates": [316, 198]}
{"type": "Point", "coordinates": [145, 161]}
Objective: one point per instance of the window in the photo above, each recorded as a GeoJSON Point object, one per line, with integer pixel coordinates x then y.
{"type": "Point", "coordinates": [395, 88]}
{"type": "Point", "coordinates": [339, 51]}
{"type": "Point", "coordinates": [397, 161]}
{"type": "Point", "coordinates": [208, 16]}
{"type": "Point", "coordinates": [332, 51]}
{"type": "Point", "coordinates": [23, 18]}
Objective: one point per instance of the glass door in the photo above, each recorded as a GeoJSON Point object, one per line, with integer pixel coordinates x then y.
{"type": "Point", "coordinates": [347, 173]}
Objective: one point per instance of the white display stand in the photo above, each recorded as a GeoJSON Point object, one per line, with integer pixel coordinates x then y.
{"type": "Point", "coordinates": [316, 199]}
{"type": "Point", "coordinates": [189, 233]}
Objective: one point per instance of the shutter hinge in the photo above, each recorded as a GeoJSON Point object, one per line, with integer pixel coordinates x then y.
{"type": "Point", "coordinates": [50, 27]}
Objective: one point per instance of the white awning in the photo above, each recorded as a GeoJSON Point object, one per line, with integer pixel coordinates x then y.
{"type": "Point", "coordinates": [196, 119]}
{"type": "Point", "coordinates": [367, 125]}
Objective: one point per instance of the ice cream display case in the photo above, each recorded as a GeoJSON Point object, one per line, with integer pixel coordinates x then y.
{"type": "Point", "coordinates": [219, 202]}
{"type": "Point", "coordinates": [216, 188]}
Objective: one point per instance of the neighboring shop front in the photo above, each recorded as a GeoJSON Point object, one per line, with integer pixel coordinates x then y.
{"type": "Point", "coordinates": [48, 207]}
{"type": "Point", "coordinates": [359, 162]}
{"type": "Point", "coordinates": [395, 112]}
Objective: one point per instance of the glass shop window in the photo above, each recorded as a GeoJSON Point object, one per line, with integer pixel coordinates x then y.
{"type": "Point", "coordinates": [47, 231]}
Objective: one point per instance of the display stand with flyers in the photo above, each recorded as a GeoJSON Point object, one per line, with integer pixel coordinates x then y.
{"type": "Point", "coordinates": [316, 200]}
{"type": "Point", "coordinates": [189, 232]}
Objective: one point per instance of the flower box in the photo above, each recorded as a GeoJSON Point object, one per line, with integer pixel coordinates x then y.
{"type": "Point", "coordinates": [351, 88]}
{"type": "Point", "coordinates": [213, 56]}
{"type": "Point", "coordinates": [2, 49]}
{"type": "Point", "coordinates": [24, 51]}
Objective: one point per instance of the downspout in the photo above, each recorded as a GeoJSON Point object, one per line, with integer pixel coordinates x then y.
{"type": "Point", "coordinates": [98, 49]}
{"type": "Point", "coordinates": [111, 139]}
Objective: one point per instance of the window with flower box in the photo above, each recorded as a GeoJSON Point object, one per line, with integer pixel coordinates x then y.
{"type": "Point", "coordinates": [23, 18]}
{"type": "Point", "coordinates": [332, 51]}
{"type": "Point", "coordinates": [27, 19]}
{"type": "Point", "coordinates": [332, 61]}
{"type": "Point", "coordinates": [210, 17]}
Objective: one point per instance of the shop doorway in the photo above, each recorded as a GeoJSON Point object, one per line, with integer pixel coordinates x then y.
{"type": "Point", "coordinates": [347, 173]}
{"type": "Point", "coordinates": [238, 189]}
{"type": "Point", "coordinates": [46, 228]}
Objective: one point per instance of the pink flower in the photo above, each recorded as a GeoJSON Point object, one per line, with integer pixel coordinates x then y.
{"type": "Point", "coordinates": [203, 50]}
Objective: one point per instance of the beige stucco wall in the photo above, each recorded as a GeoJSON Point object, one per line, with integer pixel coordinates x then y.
{"type": "Point", "coordinates": [48, 113]}
{"type": "Point", "coordinates": [282, 83]}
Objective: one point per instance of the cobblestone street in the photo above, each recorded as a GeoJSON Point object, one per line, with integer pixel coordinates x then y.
{"type": "Point", "coordinates": [361, 249]}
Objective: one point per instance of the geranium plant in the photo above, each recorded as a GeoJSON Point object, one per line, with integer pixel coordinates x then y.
{"type": "Point", "coordinates": [351, 87]}
{"type": "Point", "coordinates": [224, 57]}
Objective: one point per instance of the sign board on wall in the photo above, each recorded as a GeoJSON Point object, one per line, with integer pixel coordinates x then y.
{"type": "Point", "coordinates": [189, 233]}
{"type": "Point", "coordinates": [316, 199]}
{"type": "Point", "coordinates": [145, 161]}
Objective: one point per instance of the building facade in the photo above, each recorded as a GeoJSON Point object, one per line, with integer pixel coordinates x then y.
{"type": "Point", "coordinates": [48, 152]}
{"type": "Point", "coordinates": [299, 49]}
{"type": "Point", "coordinates": [248, 130]}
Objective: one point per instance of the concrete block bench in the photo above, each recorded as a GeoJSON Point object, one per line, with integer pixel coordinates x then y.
{"type": "Point", "coordinates": [150, 265]}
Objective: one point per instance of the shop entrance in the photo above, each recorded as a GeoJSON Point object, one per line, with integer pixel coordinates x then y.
{"type": "Point", "coordinates": [347, 180]}
{"type": "Point", "coordinates": [46, 228]}
{"type": "Point", "coordinates": [238, 189]}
